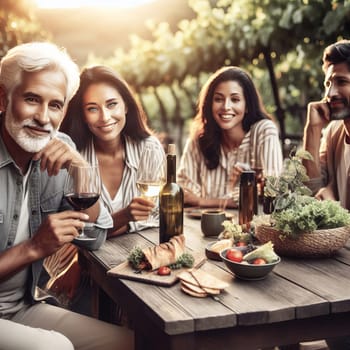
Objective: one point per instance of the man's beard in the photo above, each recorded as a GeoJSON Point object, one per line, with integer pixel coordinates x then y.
{"type": "Point", "coordinates": [27, 142]}
{"type": "Point", "coordinates": [341, 113]}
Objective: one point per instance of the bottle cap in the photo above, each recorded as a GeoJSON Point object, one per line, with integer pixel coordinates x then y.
{"type": "Point", "coordinates": [171, 149]}
{"type": "Point", "coordinates": [247, 176]}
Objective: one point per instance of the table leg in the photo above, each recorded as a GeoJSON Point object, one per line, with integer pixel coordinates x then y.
{"type": "Point", "coordinates": [141, 342]}
{"type": "Point", "coordinates": [95, 299]}
{"type": "Point", "coordinates": [146, 339]}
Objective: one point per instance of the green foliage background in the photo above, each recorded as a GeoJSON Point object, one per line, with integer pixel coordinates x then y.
{"type": "Point", "coordinates": [280, 42]}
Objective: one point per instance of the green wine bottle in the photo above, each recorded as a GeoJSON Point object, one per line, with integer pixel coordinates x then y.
{"type": "Point", "coordinates": [171, 202]}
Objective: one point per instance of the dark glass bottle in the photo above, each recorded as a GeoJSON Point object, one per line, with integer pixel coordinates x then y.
{"type": "Point", "coordinates": [171, 202]}
{"type": "Point", "coordinates": [260, 183]}
{"type": "Point", "coordinates": [259, 188]}
{"type": "Point", "coordinates": [247, 198]}
{"type": "Point", "coordinates": [268, 204]}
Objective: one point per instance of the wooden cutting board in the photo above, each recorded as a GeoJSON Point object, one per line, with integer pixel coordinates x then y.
{"type": "Point", "coordinates": [125, 271]}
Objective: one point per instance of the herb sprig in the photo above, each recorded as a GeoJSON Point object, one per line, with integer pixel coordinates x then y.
{"type": "Point", "coordinates": [184, 260]}
{"type": "Point", "coordinates": [136, 257]}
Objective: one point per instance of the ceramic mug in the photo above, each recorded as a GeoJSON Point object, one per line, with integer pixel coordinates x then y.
{"type": "Point", "coordinates": [211, 222]}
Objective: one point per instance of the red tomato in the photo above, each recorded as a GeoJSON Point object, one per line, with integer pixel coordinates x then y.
{"type": "Point", "coordinates": [241, 244]}
{"type": "Point", "coordinates": [164, 271]}
{"type": "Point", "coordinates": [259, 261]}
{"type": "Point", "coordinates": [234, 255]}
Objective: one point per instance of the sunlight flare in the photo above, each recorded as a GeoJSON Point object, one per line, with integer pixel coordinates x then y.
{"type": "Point", "coordinates": [90, 3]}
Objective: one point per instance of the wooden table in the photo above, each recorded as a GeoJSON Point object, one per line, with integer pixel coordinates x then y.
{"type": "Point", "coordinates": [301, 300]}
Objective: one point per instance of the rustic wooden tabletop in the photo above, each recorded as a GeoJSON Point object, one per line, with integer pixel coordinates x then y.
{"type": "Point", "coordinates": [301, 300]}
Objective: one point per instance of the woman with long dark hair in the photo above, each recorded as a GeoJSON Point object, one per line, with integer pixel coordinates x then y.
{"type": "Point", "coordinates": [231, 132]}
{"type": "Point", "coordinates": [109, 127]}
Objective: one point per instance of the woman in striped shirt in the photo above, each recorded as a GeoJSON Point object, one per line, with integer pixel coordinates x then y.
{"type": "Point", "coordinates": [109, 127]}
{"type": "Point", "coordinates": [231, 132]}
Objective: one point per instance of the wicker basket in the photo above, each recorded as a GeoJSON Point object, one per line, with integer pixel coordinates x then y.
{"type": "Point", "coordinates": [319, 243]}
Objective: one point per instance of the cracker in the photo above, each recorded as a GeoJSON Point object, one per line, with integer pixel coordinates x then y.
{"type": "Point", "coordinates": [198, 289]}
{"type": "Point", "coordinates": [192, 293]}
{"type": "Point", "coordinates": [202, 279]}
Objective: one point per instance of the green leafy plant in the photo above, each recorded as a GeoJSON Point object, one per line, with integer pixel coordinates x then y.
{"type": "Point", "coordinates": [308, 214]}
{"type": "Point", "coordinates": [289, 186]}
{"type": "Point", "coordinates": [295, 211]}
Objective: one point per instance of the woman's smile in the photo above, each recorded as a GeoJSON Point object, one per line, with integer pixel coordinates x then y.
{"type": "Point", "coordinates": [108, 126]}
{"type": "Point", "coordinates": [226, 116]}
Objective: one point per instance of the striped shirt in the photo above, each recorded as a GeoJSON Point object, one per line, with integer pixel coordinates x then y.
{"type": "Point", "coordinates": [128, 189]}
{"type": "Point", "coordinates": [260, 148]}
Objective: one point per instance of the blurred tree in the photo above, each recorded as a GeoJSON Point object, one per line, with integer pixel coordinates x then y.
{"type": "Point", "coordinates": [279, 41]}
{"type": "Point", "coordinates": [17, 24]}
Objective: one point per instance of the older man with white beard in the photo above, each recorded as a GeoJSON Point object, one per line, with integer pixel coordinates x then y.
{"type": "Point", "coordinates": [37, 80]}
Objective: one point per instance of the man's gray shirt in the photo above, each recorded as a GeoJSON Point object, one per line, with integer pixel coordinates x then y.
{"type": "Point", "coordinates": [45, 197]}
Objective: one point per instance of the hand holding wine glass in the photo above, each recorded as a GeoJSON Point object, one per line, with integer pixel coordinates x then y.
{"type": "Point", "coordinates": [82, 188]}
{"type": "Point", "coordinates": [151, 173]}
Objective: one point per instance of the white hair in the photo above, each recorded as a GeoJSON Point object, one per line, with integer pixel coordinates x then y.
{"type": "Point", "coordinates": [37, 56]}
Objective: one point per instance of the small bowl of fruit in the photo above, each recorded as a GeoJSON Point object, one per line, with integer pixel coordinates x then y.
{"type": "Point", "coordinates": [213, 249]}
{"type": "Point", "coordinates": [250, 262]}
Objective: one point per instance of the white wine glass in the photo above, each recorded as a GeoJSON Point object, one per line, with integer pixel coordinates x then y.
{"type": "Point", "coordinates": [151, 175]}
{"type": "Point", "coordinates": [82, 188]}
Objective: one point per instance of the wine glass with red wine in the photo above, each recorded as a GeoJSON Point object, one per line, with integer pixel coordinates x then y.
{"type": "Point", "coordinates": [82, 188]}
